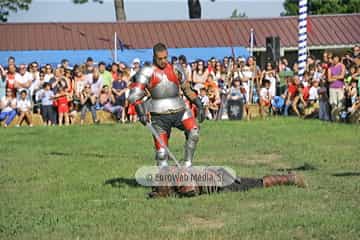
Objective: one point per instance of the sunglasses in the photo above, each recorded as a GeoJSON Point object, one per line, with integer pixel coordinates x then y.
{"type": "Point", "coordinates": [87, 87]}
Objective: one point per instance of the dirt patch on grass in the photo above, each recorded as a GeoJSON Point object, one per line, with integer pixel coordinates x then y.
{"type": "Point", "coordinates": [254, 159]}
{"type": "Point", "coordinates": [195, 223]}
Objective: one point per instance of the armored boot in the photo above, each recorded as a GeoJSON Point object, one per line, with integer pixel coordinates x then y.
{"type": "Point", "coordinates": [289, 179]}
{"type": "Point", "coordinates": [192, 137]}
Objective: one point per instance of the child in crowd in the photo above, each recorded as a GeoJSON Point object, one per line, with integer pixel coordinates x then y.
{"type": "Point", "coordinates": [62, 99]}
{"type": "Point", "coordinates": [265, 97]}
{"type": "Point", "coordinates": [24, 109]}
{"type": "Point", "coordinates": [277, 104]}
{"type": "Point", "coordinates": [45, 96]}
{"type": "Point", "coordinates": [313, 102]}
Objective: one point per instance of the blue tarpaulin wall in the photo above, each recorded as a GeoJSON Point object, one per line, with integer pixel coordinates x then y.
{"type": "Point", "coordinates": [79, 56]}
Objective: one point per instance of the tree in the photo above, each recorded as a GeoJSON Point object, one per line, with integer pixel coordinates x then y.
{"type": "Point", "coordinates": [14, 5]}
{"type": "Point", "coordinates": [236, 15]}
{"type": "Point", "coordinates": [322, 7]}
{"type": "Point", "coordinates": [7, 6]}
{"type": "Point", "coordinates": [119, 7]}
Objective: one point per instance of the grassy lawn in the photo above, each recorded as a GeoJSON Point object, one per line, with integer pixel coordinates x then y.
{"type": "Point", "coordinates": [52, 183]}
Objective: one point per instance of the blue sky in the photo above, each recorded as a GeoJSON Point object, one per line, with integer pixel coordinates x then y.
{"type": "Point", "coordinates": [141, 10]}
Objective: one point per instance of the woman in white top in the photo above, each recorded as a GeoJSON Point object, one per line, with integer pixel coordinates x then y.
{"type": "Point", "coordinates": [199, 76]}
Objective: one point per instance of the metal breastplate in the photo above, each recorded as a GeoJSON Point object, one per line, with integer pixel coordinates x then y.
{"type": "Point", "coordinates": [165, 96]}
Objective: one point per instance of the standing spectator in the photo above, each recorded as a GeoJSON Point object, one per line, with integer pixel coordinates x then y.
{"type": "Point", "coordinates": [114, 71]}
{"type": "Point", "coordinates": [96, 82]}
{"type": "Point", "coordinates": [8, 107]}
{"type": "Point", "coordinates": [235, 105]}
{"type": "Point", "coordinates": [323, 102]}
{"type": "Point", "coordinates": [214, 101]}
{"type": "Point", "coordinates": [35, 85]}
{"type": "Point", "coordinates": [65, 64]}
{"type": "Point", "coordinates": [24, 109]}
{"type": "Point", "coordinates": [119, 89]}
{"type": "Point", "coordinates": [270, 75]}
{"type": "Point", "coordinates": [46, 96]}
{"type": "Point", "coordinates": [105, 75]}
{"type": "Point", "coordinates": [48, 73]}
{"type": "Point", "coordinates": [62, 99]}
{"type": "Point", "coordinates": [10, 78]}
{"type": "Point", "coordinates": [186, 67]}
{"type": "Point", "coordinates": [2, 82]}
{"type": "Point", "coordinates": [24, 80]}
{"type": "Point", "coordinates": [205, 102]}
{"type": "Point", "coordinates": [336, 76]}
{"type": "Point", "coordinates": [58, 81]}
{"type": "Point", "coordinates": [11, 61]}
{"type": "Point", "coordinates": [135, 67]}
{"type": "Point", "coordinates": [69, 82]}
{"type": "Point", "coordinates": [89, 65]}
{"type": "Point", "coordinates": [79, 84]}
{"type": "Point", "coordinates": [88, 103]}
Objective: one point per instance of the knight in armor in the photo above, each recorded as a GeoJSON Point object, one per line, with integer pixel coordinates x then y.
{"type": "Point", "coordinates": [156, 95]}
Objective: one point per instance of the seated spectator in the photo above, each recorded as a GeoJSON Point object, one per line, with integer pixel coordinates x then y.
{"type": "Point", "coordinates": [107, 102]}
{"type": "Point", "coordinates": [352, 94]}
{"type": "Point", "coordinates": [8, 108]}
{"type": "Point", "coordinates": [300, 101]}
{"type": "Point", "coordinates": [277, 104]}
{"type": "Point", "coordinates": [105, 75]}
{"type": "Point", "coordinates": [45, 97]}
{"type": "Point", "coordinates": [88, 103]}
{"type": "Point", "coordinates": [62, 99]}
{"type": "Point", "coordinates": [312, 107]}
{"type": "Point", "coordinates": [265, 98]}
{"type": "Point", "coordinates": [214, 101]}
{"type": "Point", "coordinates": [291, 93]}
{"type": "Point", "coordinates": [210, 83]}
{"type": "Point", "coordinates": [24, 109]}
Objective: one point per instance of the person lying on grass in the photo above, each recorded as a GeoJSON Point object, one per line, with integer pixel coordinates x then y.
{"type": "Point", "coordinates": [175, 186]}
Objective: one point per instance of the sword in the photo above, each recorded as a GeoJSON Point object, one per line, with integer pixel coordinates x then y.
{"type": "Point", "coordinates": [158, 138]}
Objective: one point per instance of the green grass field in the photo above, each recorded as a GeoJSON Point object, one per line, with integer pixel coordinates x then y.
{"type": "Point", "coordinates": [52, 183]}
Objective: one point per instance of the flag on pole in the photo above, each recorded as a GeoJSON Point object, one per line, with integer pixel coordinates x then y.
{"type": "Point", "coordinates": [123, 45]}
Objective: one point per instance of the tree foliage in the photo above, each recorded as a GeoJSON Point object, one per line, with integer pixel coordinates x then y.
{"type": "Point", "coordinates": [317, 7]}
{"type": "Point", "coordinates": [8, 6]}
{"type": "Point", "coordinates": [236, 15]}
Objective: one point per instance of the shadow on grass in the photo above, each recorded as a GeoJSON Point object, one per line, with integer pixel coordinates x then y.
{"type": "Point", "coordinates": [346, 174]}
{"type": "Point", "coordinates": [97, 155]}
{"type": "Point", "coordinates": [305, 167]}
{"type": "Point", "coordinates": [119, 182]}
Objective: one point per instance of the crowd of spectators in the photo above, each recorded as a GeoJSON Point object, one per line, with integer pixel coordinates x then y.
{"type": "Point", "coordinates": [329, 89]}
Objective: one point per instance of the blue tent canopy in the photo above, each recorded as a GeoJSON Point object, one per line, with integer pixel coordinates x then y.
{"type": "Point", "coordinates": [79, 56]}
